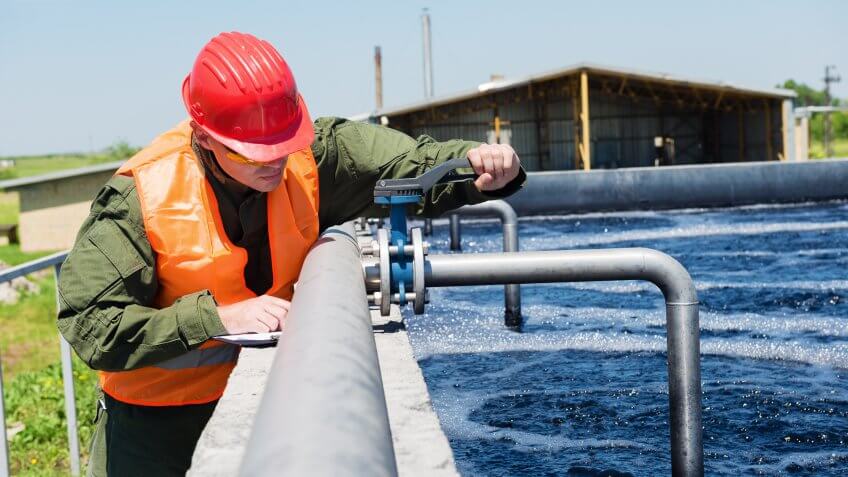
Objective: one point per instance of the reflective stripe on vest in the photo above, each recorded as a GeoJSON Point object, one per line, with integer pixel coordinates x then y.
{"type": "Point", "coordinates": [202, 357]}
{"type": "Point", "coordinates": [193, 253]}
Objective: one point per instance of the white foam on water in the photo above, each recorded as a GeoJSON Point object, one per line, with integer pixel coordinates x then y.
{"type": "Point", "coordinates": [696, 230]}
{"type": "Point", "coordinates": [673, 213]}
{"type": "Point", "coordinates": [464, 327]}
{"type": "Point", "coordinates": [835, 355]}
{"type": "Point", "coordinates": [821, 460]}
{"type": "Point", "coordinates": [767, 253]}
{"type": "Point", "coordinates": [644, 287]}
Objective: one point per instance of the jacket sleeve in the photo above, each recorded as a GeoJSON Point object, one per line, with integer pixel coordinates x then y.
{"type": "Point", "coordinates": [353, 156]}
{"type": "Point", "coordinates": [107, 286]}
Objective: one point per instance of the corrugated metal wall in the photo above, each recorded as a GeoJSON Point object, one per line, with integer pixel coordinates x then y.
{"type": "Point", "coordinates": [541, 127]}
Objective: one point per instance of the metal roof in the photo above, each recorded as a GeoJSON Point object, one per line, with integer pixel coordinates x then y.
{"type": "Point", "coordinates": [501, 85]}
{"type": "Point", "coordinates": [55, 176]}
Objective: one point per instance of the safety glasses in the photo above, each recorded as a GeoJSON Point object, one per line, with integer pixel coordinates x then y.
{"type": "Point", "coordinates": [236, 157]}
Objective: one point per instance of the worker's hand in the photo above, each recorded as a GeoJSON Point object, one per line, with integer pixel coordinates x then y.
{"type": "Point", "coordinates": [496, 164]}
{"type": "Point", "coordinates": [256, 315]}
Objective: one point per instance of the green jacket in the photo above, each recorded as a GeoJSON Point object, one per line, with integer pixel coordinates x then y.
{"type": "Point", "coordinates": [108, 281]}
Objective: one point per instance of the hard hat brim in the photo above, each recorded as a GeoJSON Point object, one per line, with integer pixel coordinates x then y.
{"type": "Point", "coordinates": [299, 136]}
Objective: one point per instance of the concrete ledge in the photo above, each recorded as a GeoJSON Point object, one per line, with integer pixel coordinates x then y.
{"type": "Point", "coordinates": [421, 448]}
{"type": "Point", "coordinates": [221, 446]}
{"type": "Point", "coordinates": [711, 185]}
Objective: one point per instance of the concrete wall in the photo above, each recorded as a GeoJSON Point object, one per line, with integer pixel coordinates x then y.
{"type": "Point", "coordinates": [802, 138]}
{"type": "Point", "coordinates": [648, 188]}
{"type": "Point", "coordinates": [52, 211]}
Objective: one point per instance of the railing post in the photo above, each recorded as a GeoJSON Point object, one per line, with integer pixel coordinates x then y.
{"type": "Point", "coordinates": [4, 445]}
{"type": "Point", "coordinates": [70, 396]}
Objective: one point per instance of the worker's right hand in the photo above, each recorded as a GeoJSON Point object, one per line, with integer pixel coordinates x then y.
{"type": "Point", "coordinates": [256, 315]}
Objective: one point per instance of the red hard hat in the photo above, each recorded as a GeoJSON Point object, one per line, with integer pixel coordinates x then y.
{"type": "Point", "coordinates": [242, 93]}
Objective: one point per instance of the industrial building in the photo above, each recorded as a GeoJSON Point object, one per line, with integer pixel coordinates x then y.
{"type": "Point", "coordinates": [590, 116]}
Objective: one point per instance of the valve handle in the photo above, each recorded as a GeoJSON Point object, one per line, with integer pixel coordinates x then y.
{"type": "Point", "coordinates": [442, 174]}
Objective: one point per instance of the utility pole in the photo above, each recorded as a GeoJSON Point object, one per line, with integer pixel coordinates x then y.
{"type": "Point", "coordinates": [378, 77]}
{"type": "Point", "coordinates": [828, 150]}
{"type": "Point", "coordinates": [428, 56]}
{"type": "Point", "coordinates": [428, 91]}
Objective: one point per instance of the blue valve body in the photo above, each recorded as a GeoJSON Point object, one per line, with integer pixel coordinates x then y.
{"type": "Point", "coordinates": [401, 269]}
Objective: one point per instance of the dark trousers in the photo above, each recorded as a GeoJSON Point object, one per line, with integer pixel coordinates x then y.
{"type": "Point", "coordinates": [132, 440]}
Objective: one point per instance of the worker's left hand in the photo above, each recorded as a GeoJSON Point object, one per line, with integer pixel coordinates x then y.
{"type": "Point", "coordinates": [496, 164]}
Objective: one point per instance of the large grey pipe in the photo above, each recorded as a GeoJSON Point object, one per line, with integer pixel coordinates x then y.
{"type": "Point", "coordinates": [324, 411]}
{"type": "Point", "coordinates": [706, 185]}
{"type": "Point", "coordinates": [684, 363]}
{"type": "Point", "coordinates": [509, 223]}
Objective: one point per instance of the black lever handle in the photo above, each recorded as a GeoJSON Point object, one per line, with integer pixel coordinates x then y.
{"type": "Point", "coordinates": [441, 174]}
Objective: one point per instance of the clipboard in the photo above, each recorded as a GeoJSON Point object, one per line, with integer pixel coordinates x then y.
{"type": "Point", "coordinates": [252, 340]}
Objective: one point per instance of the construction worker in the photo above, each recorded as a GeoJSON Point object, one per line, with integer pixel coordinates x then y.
{"type": "Point", "coordinates": [203, 233]}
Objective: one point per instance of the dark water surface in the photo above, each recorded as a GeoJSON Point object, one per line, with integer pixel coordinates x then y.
{"type": "Point", "coordinates": [583, 390]}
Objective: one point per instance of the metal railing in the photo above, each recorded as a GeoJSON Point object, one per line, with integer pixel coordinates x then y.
{"type": "Point", "coordinates": [323, 411]}
{"type": "Point", "coordinates": [8, 275]}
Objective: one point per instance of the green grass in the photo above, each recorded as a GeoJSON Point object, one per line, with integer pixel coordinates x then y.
{"type": "Point", "coordinates": [29, 340]}
{"type": "Point", "coordinates": [26, 166]}
{"type": "Point", "coordinates": [840, 148]}
{"type": "Point", "coordinates": [29, 349]}
{"type": "Point", "coordinates": [12, 255]}
{"type": "Point", "coordinates": [9, 207]}
{"type": "Point", "coordinates": [33, 166]}
{"type": "Point", "coordinates": [36, 400]}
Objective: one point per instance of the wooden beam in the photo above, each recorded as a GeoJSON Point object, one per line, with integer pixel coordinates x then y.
{"type": "Point", "coordinates": [575, 121]}
{"type": "Point", "coordinates": [585, 148]}
{"type": "Point", "coordinates": [718, 99]}
{"type": "Point", "coordinates": [623, 84]}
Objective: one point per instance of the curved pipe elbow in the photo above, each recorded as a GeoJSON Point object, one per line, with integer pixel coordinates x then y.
{"type": "Point", "coordinates": [670, 276]}
{"type": "Point", "coordinates": [501, 208]}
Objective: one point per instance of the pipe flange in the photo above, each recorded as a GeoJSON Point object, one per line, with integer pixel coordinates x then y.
{"type": "Point", "coordinates": [418, 271]}
{"type": "Point", "coordinates": [385, 272]}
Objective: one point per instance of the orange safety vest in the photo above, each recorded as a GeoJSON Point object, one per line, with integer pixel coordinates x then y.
{"type": "Point", "coordinates": [193, 253]}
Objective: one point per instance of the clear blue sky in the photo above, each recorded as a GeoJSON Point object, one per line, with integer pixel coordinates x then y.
{"type": "Point", "coordinates": [80, 75]}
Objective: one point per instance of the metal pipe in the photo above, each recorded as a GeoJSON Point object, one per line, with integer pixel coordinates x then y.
{"type": "Point", "coordinates": [428, 227]}
{"type": "Point", "coordinates": [26, 268]}
{"type": "Point", "coordinates": [324, 411]}
{"type": "Point", "coordinates": [70, 394]}
{"type": "Point", "coordinates": [684, 384]}
{"type": "Point", "coordinates": [455, 233]}
{"type": "Point", "coordinates": [509, 223]}
{"type": "Point", "coordinates": [702, 185]}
